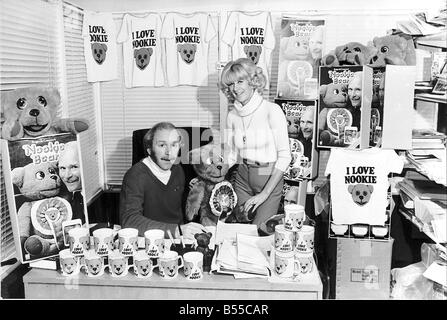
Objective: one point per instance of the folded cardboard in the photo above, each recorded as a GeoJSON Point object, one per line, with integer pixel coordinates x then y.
{"type": "Point", "coordinates": [363, 269]}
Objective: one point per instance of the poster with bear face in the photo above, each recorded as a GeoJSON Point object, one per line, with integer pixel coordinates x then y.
{"type": "Point", "coordinates": [44, 186]}
{"type": "Point", "coordinates": [301, 121]}
{"type": "Point", "coordinates": [344, 108]}
{"type": "Point", "coordinates": [300, 53]}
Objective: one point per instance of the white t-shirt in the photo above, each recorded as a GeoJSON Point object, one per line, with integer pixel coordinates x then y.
{"type": "Point", "coordinates": [98, 31]}
{"type": "Point", "coordinates": [142, 50]}
{"type": "Point", "coordinates": [359, 184]}
{"type": "Point", "coordinates": [251, 36]}
{"type": "Point", "coordinates": [187, 42]}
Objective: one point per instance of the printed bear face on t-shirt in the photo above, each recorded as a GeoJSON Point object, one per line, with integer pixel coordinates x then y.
{"type": "Point", "coordinates": [361, 193]}
{"type": "Point", "coordinates": [253, 53]}
{"type": "Point", "coordinates": [142, 57]}
{"type": "Point", "coordinates": [99, 52]}
{"type": "Point", "coordinates": [187, 51]}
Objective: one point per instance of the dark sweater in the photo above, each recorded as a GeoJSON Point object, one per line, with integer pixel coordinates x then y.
{"type": "Point", "coordinates": [146, 203]}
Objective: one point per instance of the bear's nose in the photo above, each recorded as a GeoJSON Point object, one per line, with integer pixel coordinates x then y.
{"type": "Point", "coordinates": [34, 112]}
{"type": "Point", "coordinates": [54, 177]}
{"type": "Point", "coordinates": [219, 167]}
{"type": "Point", "coordinates": [361, 197]}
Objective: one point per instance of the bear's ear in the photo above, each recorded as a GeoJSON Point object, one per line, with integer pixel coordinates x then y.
{"type": "Point", "coordinates": [196, 236]}
{"type": "Point", "coordinates": [370, 187]}
{"type": "Point", "coordinates": [194, 46]}
{"type": "Point", "coordinates": [53, 96]}
{"type": "Point", "coordinates": [350, 188]}
{"type": "Point", "coordinates": [246, 49]}
{"type": "Point", "coordinates": [151, 51]}
{"type": "Point", "coordinates": [209, 234]}
{"type": "Point", "coordinates": [135, 52]}
{"type": "Point", "coordinates": [179, 47]}
{"type": "Point", "coordinates": [104, 46]}
{"type": "Point", "coordinates": [323, 89]}
{"type": "Point", "coordinates": [17, 176]}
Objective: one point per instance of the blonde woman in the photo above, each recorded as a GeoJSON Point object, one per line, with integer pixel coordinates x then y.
{"type": "Point", "coordinates": [256, 135]}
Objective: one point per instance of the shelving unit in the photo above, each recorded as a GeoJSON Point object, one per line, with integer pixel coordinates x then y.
{"type": "Point", "coordinates": [430, 97]}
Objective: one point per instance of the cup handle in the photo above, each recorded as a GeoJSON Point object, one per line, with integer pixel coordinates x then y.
{"type": "Point", "coordinates": [297, 267]}
{"type": "Point", "coordinates": [154, 265]}
{"type": "Point", "coordinates": [180, 258]}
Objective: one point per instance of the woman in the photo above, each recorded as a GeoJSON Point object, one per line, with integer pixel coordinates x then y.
{"type": "Point", "coordinates": [257, 137]}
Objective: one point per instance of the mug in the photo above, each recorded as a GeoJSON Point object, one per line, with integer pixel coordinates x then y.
{"type": "Point", "coordinates": [79, 240]}
{"type": "Point", "coordinates": [304, 262]}
{"type": "Point", "coordinates": [142, 264]}
{"type": "Point", "coordinates": [305, 239]}
{"type": "Point", "coordinates": [69, 263]}
{"type": "Point", "coordinates": [169, 263]}
{"type": "Point", "coordinates": [285, 264]}
{"type": "Point", "coordinates": [193, 268]}
{"type": "Point", "coordinates": [94, 263]}
{"type": "Point", "coordinates": [284, 239]}
{"type": "Point", "coordinates": [154, 240]}
{"type": "Point", "coordinates": [118, 264]}
{"type": "Point", "coordinates": [293, 217]}
{"type": "Point", "coordinates": [128, 241]}
{"type": "Point", "coordinates": [103, 241]}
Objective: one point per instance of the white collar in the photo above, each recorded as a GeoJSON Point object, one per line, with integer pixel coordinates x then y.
{"type": "Point", "coordinates": [251, 106]}
{"type": "Point", "coordinates": [162, 175]}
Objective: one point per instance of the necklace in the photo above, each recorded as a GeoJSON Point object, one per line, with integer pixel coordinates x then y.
{"type": "Point", "coordinates": [244, 137]}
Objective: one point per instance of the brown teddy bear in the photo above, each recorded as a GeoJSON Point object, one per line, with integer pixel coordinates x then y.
{"type": "Point", "coordinates": [203, 241]}
{"type": "Point", "coordinates": [32, 112]}
{"type": "Point", "coordinates": [349, 54]}
{"type": "Point", "coordinates": [393, 49]}
{"type": "Point", "coordinates": [40, 217]}
{"type": "Point", "coordinates": [211, 197]}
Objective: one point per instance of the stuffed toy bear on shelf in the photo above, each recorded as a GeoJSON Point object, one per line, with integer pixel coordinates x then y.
{"type": "Point", "coordinates": [32, 112]}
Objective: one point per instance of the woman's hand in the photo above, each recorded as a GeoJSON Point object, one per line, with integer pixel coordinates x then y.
{"type": "Point", "coordinates": [189, 230]}
{"type": "Point", "coordinates": [254, 202]}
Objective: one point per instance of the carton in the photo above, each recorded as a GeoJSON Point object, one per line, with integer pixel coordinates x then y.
{"type": "Point", "coordinates": [363, 269]}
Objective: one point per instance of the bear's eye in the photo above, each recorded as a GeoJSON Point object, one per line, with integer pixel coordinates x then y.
{"type": "Point", "coordinates": [357, 193]}
{"type": "Point", "coordinates": [365, 193]}
{"type": "Point", "coordinates": [145, 56]}
{"type": "Point", "coordinates": [139, 57]}
{"type": "Point", "coordinates": [208, 161]}
{"type": "Point", "coordinates": [185, 51]}
{"type": "Point", "coordinates": [336, 91]}
{"type": "Point", "coordinates": [191, 52]}
{"type": "Point", "coordinates": [21, 103]}
{"type": "Point", "coordinates": [384, 49]}
{"type": "Point", "coordinates": [51, 170]}
{"type": "Point", "coordinates": [100, 51]}
{"type": "Point", "coordinates": [42, 101]}
{"type": "Point", "coordinates": [345, 48]}
{"type": "Point", "coordinates": [255, 54]}
{"type": "Point", "coordinates": [357, 49]}
{"type": "Point", "coordinates": [40, 175]}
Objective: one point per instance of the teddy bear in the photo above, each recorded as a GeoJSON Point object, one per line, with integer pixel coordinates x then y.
{"type": "Point", "coordinates": [293, 49]}
{"type": "Point", "coordinates": [349, 54]}
{"type": "Point", "coordinates": [393, 49]}
{"type": "Point", "coordinates": [32, 112]}
{"type": "Point", "coordinates": [203, 241]}
{"type": "Point", "coordinates": [40, 217]}
{"type": "Point", "coordinates": [331, 96]}
{"type": "Point", "coordinates": [211, 197]}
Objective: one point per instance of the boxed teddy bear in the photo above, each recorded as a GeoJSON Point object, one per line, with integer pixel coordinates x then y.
{"type": "Point", "coordinates": [44, 187]}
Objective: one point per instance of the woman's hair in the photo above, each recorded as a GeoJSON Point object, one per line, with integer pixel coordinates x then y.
{"type": "Point", "coordinates": [149, 136]}
{"type": "Point", "coordinates": [242, 68]}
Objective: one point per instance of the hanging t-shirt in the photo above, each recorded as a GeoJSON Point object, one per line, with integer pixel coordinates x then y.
{"type": "Point", "coordinates": [187, 42]}
{"type": "Point", "coordinates": [142, 50]}
{"type": "Point", "coordinates": [251, 36]}
{"type": "Point", "coordinates": [359, 184]}
{"type": "Point", "coordinates": [98, 31]}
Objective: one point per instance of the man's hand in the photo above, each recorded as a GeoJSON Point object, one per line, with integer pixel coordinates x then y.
{"type": "Point", "coordinates": [189, 230]}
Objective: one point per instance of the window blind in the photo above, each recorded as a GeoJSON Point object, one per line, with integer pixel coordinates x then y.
{"type": "Point", "coordinates": [127, 109]}
{"type": "Point", "coordinates": [29, 55]}
{"type": "Point", "coordinates": [80, 98]}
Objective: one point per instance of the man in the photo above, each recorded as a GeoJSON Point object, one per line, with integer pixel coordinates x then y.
{"type": "Point", "coordinates": [355, 97]}
{"type": "Point", "coordinates": [152, 189]}
{"type": "Point", "coordinates": [70, 174]}
{"type": "Point", "coordinates": [306, 130]}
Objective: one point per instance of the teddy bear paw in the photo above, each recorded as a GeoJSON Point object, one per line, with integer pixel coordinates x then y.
{"type": "Point", "coordinates": [36, 246]}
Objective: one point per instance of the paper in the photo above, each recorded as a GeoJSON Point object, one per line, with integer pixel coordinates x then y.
{"type": "Point", "coordinates": [251, 249]}
{"type": "Point", "coordinates": [437, 273]}
{"type": "Point", "coordinates": [439, 229]}
{"type": "Point", "coordinates": [230, 230]}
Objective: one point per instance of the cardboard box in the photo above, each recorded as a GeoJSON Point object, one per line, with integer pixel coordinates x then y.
{"type": "Point", "coordinates": [363, 269]}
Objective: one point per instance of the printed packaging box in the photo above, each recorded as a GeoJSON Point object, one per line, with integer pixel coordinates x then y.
{"type": "Point", "coordinates": [301, 123]}
{"type": "Point", "coordinates": [363, 269]}
{"type": "Point", "coordinates": [344, 108]}
{"type": "Point", "coordinates": [45, 191]}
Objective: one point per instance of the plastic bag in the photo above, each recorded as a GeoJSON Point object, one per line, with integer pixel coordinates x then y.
{"type": "Point", "coordinates": [408, 283]}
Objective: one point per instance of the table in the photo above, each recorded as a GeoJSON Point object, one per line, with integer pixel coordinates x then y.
{"type": "Point", "coordinates": [51, 284]}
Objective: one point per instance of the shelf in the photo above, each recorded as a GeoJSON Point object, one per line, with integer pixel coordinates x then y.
{"type": "Point", "coordinates": [431, 97]}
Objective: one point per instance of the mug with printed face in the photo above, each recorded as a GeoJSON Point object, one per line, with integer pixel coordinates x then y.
{"type": "Point", "coordinates": [305, 239]}
{"type": "Point", "coordinates": [193, 268]}
{"type": "Point", "coordinates": [285, 264]}
{"type": "Point", "coordinates": [128, 241]}
{"type": "Point", "coordinates": [118, 264]}
{"type": "Point", "coordinates": [103, 241]}
{"type": "Point", "coordinates": [69, 263]}
{"type": "Point", "coordinates": [94, 263]}
{"type": "Point", "coordinates": [142, 264]}
{"type": "Point", "coordinates": [284, 239]}
{"type": "Point", "coordinates": [79, 240]}
{"type": "Point", "coordinates": [169, 263]}
{"type": "Point", "coordinates": [304, 262]}
{"type": "Point", "coordinates": [154, 240]}
{"type": "Point", "coordinates": [293, 217]}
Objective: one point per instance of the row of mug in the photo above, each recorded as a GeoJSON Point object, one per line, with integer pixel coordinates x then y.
{"type": "Point", "coordinates": [292, 264]}
{"type": "Point", "coordinates": [301, 240]}
{"type": "Point", "coordinates": [79, 241]}
{"type": "Point", "coordinates": [118, 265]}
